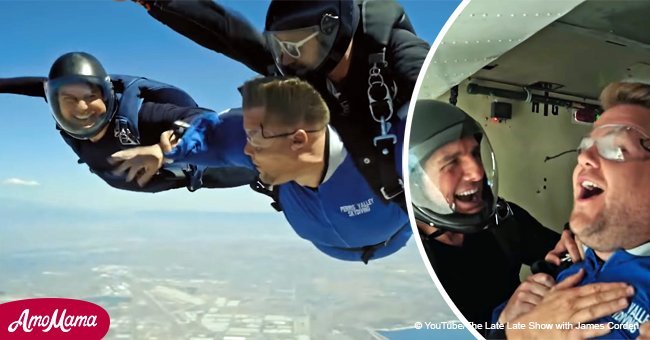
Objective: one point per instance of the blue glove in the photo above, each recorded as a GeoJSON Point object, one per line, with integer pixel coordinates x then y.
{"type": "Point", "coordinates": [215, 141]}
{"type": "Point", "coordinates": [194, 146]}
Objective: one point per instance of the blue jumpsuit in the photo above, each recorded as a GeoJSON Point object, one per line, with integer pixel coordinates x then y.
{"type": "Point", "coordinates": [340, 217]}
{"type": "Point", "coordinates": [630, 266]}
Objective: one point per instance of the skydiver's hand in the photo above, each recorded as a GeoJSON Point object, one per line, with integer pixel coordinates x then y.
{"type": "Point", "coordinates": [566, 303]}
{"type": "Point", "coordinates": [644, 331]}
{"type": "Point", "coordinates": [141, 162]}
{"type": "Point", "coordinates": [528, 295]}
{"type": "Point", "coordinates": [168, 140]}
{"type": "Point", "coordinates": [567, 243]}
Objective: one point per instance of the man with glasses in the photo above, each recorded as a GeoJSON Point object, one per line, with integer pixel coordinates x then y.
{"type": "Point", "coordinates": [363, 56]}
{"type": "Point", "coordinates": [611, 217]}
{"type": "Point", "coordinates": [290, 143]}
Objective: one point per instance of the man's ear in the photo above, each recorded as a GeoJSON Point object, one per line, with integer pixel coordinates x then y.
{"type": "Point", "coordinates": [299, 140]}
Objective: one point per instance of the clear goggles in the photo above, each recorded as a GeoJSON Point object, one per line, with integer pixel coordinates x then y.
{"type": "Point", "coordinates": [617, 142]}
{"type": "Point", "coordinates": [299, 49]}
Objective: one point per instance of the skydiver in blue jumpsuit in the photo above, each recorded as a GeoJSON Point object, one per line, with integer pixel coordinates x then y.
{"type": "Point", "coordinates": [100, 115]}
{"type": "Point", "coordinates": [340, 214]}
{"type": "Point", "coordinates": [610, 218]}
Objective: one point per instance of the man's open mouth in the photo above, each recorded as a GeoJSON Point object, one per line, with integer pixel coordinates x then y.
{"type": "Point", "coordinates": [468, 196]}
{"type": "Point", "coordinates": [589, 189]}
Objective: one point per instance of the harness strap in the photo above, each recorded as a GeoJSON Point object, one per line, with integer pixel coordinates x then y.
{"type": "Point", "coordinates": [126, 118]}
{"type": "Point", "coordinates": [367, 252]}
{"type": "Point", "coordinates": [268, 190]}
{"type": "Point", "coordinates": [380, 101]}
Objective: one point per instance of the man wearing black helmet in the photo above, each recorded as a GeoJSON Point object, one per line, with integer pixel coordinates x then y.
{"type": "Point", "coordinates": [102, 117]}
{"type": "Point", "coordinates": [476, 242]}
{"type": "Point", "coordinates": [363, 56]}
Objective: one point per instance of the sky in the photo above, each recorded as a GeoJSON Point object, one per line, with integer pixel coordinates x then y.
{"type": "Point", "coordinates": [37, 166]}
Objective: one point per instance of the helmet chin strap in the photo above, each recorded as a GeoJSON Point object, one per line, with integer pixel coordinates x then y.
{"type": "Point", "coordinates": [436, 233]}
{"type": "Point", "coordinates": [433, 235]}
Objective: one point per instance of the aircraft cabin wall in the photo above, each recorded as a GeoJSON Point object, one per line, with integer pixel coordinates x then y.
{"type": "Point", "coordinates": [521, 144]}
{"type": "Point", "coordinates": [595, 43]}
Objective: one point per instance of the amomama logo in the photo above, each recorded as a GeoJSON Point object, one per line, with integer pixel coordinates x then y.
{"type": "Point", "coordinates": [52, 318]}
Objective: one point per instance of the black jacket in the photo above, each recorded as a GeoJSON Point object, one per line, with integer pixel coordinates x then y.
{"type": "Point", "coordinates": [483, 272]}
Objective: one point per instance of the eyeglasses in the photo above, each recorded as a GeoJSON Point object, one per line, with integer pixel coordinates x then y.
{"type": "Point", "coordinates": [250, 138]}
{"type": "Point", "coordinates": [619, 143]}
{"type": "Point", "coordinates": [285, 134]}
{"type": "Point", "coordinates": [293, 48]}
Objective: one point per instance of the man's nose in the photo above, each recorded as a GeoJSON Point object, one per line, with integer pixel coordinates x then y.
{"type": "Point", "coordinates": [286, 59]}
{"type": "Point", "coordinates": [589, 157]}
{"type": "Point", "coordinates": [473, 170]}
{"type": "Point", "coordinates": [248, 150]}
{"type": "Point", "coordinates": [82, 105]}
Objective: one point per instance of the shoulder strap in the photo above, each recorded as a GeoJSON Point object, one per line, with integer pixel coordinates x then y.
{"type": "Point", "coordinates": [126, 118]}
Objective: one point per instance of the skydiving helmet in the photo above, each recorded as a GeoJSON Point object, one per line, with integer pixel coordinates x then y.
{"type": "Point", "coordinates": [76, 81]}
{"type": "Point", "coordinates": [308, 37]}
{"type": "Point", "coordinates": [452, 170]}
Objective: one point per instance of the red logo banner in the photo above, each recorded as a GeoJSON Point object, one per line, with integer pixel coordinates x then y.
{"type": "Point", "coordinates": [53, 318]}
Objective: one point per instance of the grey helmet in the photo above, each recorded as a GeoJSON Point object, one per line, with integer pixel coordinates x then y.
{"type": "Point", "coordinates": [452, 169]}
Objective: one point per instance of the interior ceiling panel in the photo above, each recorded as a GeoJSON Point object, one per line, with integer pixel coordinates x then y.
{"type": "Point", "coordinates": [626, 19]}
{"type": "Point", "coordinates": [484, 31]}
{"type": "Point", "coordinates": [594, 44]}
